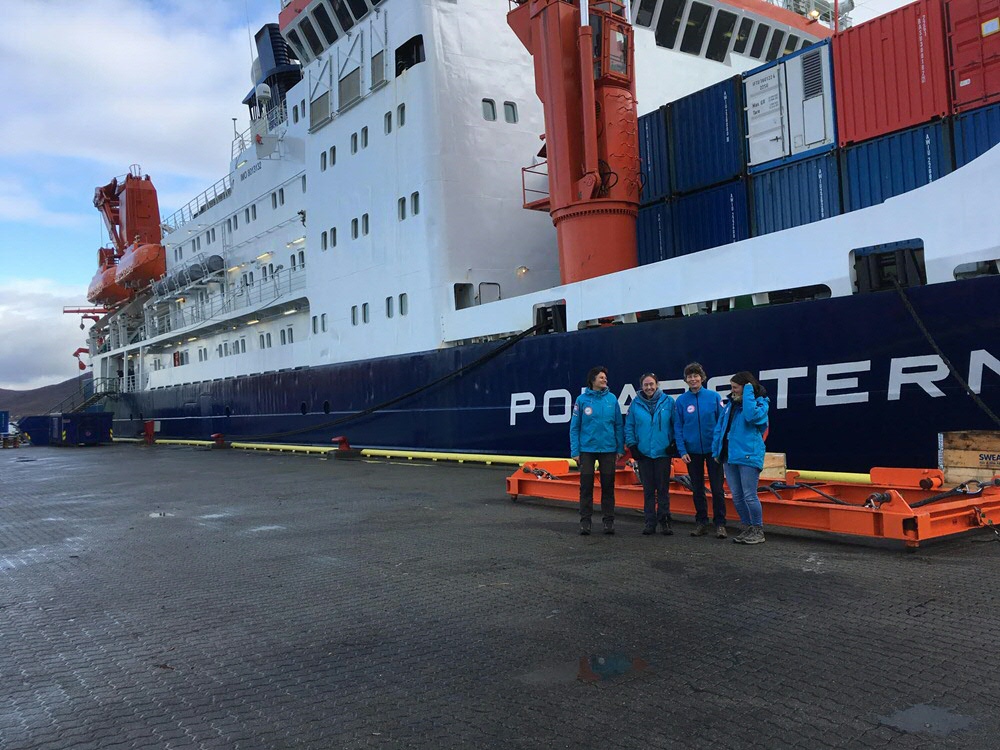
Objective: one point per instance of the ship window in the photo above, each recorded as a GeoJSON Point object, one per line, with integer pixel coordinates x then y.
{"type": "Point", "coordinates": [722, 32]}
{"type": "Point", "coordinates": [977, 268]}
{"type": "Point", "coordinates": [311, 38]}
{"type": "Point", "coordinates": [229, 225]}
{"type": "Point", "coordinates": [388, 122]}
{"type": "Point", "coordinates": [333, 155]}
{"type": "Point", "coordinates": [302, 258]}
{"type": "Point", "coordinates": [775, 47]}
{"type": "Point", "coordinates": [669, 22]}
{"type": "Point", "coordinates": [354, 143]}
{"type": "Point", "coordinates": [297, 44]}
{"type": "Point", "coordinates": [291, 335]}
{"type": "Point", "coordinates": [333, 236]}
{"type": "Point", "coordinates": [322, 246]}
{"type": "Point", "coordinates": [644, 17]}
{"type": "Point", "coordinates": [250, 276]}
{"type": "Point", "coordinates": [322, 322]}
{"type": "Point", "coordinates": [401, 115]}
{"type": "Point", "coordinates": [349, 89]}
{"type": "Point", "coordinates": [510, 112]}
{"type": "Point", "coordinates": [401, 209]}
{"type": "Point", "coordinates": [281, 202]}
{"type": "Point", "coordinates": [404, 304]}
{"type": "Point", "coordinates": [253, 212]}
{"type": "Point", "coordinates": [791, 44]}
{"type": "Point", "coordinates": [291, 260]}
{"type": "Point", "coordinates": [489, 110]}
{"type": "Point", "coordinates": [489, 291]}
{"type": "Point", "coordinates": [364, 137]}
{"type": "Point", "coordinates": [757, 49]}
{"type": "Point", "coordinates": [322, 162]}
{"type": "Point", "coordinates": [358, 7]}
{"type": "Point", "coordinates": [354, 229]}
{"type": "Point", "coordinates": [263, 273]}
{"type": "Point", "coordinates": [295, 113]}
{"type": "Point", "coordinates": [697, 25]}
{"type": "Point", "coordinates": [267, 337]}
{"type": "Point", "coordinates": [340, 10]}
{"type": "Point", "coordinates": [213, 234]}
{"type": "Point", "coordinates": [879, 267]}
{"type": "Point", "coordinates": [409, 54]}
{"type": "Point", "coordinates": [354, 315]}
{"type": "Point", "coordinates": [364, 224]}
{"type": "Point", "coordinates": [303, 183]}
{"type": "Point", "coordinates": [315, 324]}
{"type": "Point", "coordinates": [364, 313]}
{"type": "Point", "coordinates": [282, 337]}
{"type": "Point", "coordinates": [464, 296]}
{"type": "Point", "coordinates": [743, 36]}
{"type": "Point", "coordinates": [415, 203]}
{"type": "Point", "coordinates": [243, 345]}
{"type": "Point", "coordinates": [326, 404]}
{"type": "Point", "coordinates": [389, 307]}
{"type": "Point", "coordinates": [325, 24]}
{"type": "Point", "coordinates": [274, 200]}
{"type": "Point", "coordinates": [378, 68]}
{"type": "Point", "coordinates": [236, 222]}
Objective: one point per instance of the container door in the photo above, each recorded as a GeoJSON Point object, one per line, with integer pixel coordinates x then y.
{"type": "Point", "coordinates": [767, 120]}
{"type": "Point", "coordinates": [810, 97]}
{"type": "Point", "coordinates": [974, 36]}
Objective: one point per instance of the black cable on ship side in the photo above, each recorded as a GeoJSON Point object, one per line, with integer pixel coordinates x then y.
{"type": "Point", "coordinates": [385, 404]}
{"type": "Point", "coordinates": [930, 340]}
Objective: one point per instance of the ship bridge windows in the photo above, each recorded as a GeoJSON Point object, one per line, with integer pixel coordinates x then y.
{"type": "Point", "coordinates": [297, 45]}
{"type": "Point", "coordinates": [775, 49]}
{"type": "Point", "coordinates": [644, 16]}
{"type": "Point", "coordinates": [326, 26]}
{"type": "Point", "coordinates": [722, 33]}
{"type": "Point", "coordinates": [697, 26]}
{"type": "Point", "coordinates": [791, 44]}
{"type": "Point", "coordinates": [743, 36]}
{"type": "Point", "coordinates": [410, 53]}
{"type": "Point", "coordinates": [669, 22]}
{"type": "Point", "coordinates": [343, 17]}
{"type": "Point", "coordinates": [880, 267]}
{"type": "Point", "coordinates": [312, 39]}
{"type": "Point", "coordinates": [759, 39]}
{"type": "Point", "coordinates": [358, 8]}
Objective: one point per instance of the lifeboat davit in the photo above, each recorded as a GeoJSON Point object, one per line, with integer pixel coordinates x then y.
{"type": "Point", "coordinates": [104, 290]}
{"type": "Point", "coordinates": [140, 266]}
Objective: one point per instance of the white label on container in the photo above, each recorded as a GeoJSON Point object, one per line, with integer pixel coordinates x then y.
{"type": "Point", "coordinates": [964, 82]}
{"type": "Point", "coordinates": [991, 27]}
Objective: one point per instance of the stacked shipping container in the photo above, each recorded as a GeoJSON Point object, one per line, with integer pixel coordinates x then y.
{"type": "Point", "coordinates": [908, 97]}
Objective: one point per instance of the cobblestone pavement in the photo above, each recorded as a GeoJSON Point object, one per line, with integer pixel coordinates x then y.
{"type": "Point", "coordinates": [180, 598]}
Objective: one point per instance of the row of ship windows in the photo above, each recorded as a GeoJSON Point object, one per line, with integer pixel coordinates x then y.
{"type": "Point", "coordinates": [329, 157]}
{"type": "Point", "coordinates": [296, 261]}
{"type": "Point", "coordinates": [362, 315]}
{"type": "Point", "coordinates": [490, 111]}
{"type": "Point", "coordinates": [286, 336]}
{"type": "Point", "coordinates": [361, 227]}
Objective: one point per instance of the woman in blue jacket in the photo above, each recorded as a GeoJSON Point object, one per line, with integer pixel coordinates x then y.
{"type": "Point", "coordinates": [738, 445]}
{"type": "Point", "coordinates": [696, 413]}
{"type": "Point", "coordinates": [649, 435]}
{"type": "Point", "coordinates": [596, 435]}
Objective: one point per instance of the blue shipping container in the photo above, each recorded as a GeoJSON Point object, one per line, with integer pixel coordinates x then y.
{"type": "Point", "coordinates": [655, 233]}
{"type": "Point", "coordinates": [654, 155]}
{"type": "Point", "coordinates": [718, 216]}
{"type": "Point", "coordinates": [797, 193]}
{"type": "Point", "coordinates": [892, 164]}
{"type": "Point", "coordinates": [80, 428]}
{"type": "Point", "coordinates": [706, 135]}
{"type": "Point", "coordinates": [976, 132]}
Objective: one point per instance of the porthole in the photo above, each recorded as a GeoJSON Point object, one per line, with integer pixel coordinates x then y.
{"type": "Point", "coordinates": [303, 408]}
{"type": "Point", "coordinates": [326, 407]}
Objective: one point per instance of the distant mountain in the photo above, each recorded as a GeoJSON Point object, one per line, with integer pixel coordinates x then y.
{"type": "Point", "coordinates": [39, 400]}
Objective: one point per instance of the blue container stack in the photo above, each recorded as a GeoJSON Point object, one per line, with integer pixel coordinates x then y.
{"type": "Point", "coordinates": [976, 132]}
{"type": "Point", "coordinates": [889, 165]}
{"type": "Point", "coordinates": [713, 217]}
{"type": "Point", "coordinates": [655, 230]}
{"type": "Point", "coordinates": [654, 155]}
{"type": "Point", "coordinates": [798, 193]}
{"type": "Point", "coordinates": [707, 137]}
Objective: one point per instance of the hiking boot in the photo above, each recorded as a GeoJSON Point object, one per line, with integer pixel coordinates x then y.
{"type": "Point", "coordinates": [720, 532]}
{"type": "Point", "coordinates": [665, 528]}
{"type": "Point", "coordinates": [648, 529]}
{"type": "Point", "coordinates": [609, 526]}
{"type": "Point", "coordinates": [585, 528]}
{"type": "Point", "coordinates": [700, 529]}
{"type": "Point", "coordinates": [742, 536]}
{"type": "Point", "coordinates": [756, 535]}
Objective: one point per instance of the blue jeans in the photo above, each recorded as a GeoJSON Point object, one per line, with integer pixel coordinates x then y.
{"type": "Point", "coordinates": [743, 484]}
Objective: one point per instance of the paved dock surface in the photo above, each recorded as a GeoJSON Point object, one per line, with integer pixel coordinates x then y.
{"type": "Point", "coordinates": [182, 598]}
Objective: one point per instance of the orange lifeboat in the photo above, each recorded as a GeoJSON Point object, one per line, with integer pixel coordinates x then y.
{"type": "Point", "coordinates": [141, 265]}
{"type": "Point", "coordinates": [104, 290]}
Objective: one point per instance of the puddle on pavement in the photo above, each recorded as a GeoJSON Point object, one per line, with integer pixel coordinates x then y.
{"type": "Point", "coordinates": [927, 719]}
{"type": "Point", "coordinates": [159, 514]}
{"type": "Point", "coordinates": [591, 669]}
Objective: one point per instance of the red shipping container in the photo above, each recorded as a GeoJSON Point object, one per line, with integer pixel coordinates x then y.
{"type": "Point", "coordinates": [892, 72]}
{"type": "Point", "coordinates": [974, 39]}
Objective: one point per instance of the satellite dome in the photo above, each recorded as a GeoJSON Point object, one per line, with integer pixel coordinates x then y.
{"type": "Point", "coordinates": [255, 71]}
{"type": "Point", "coordinates": [263, 92]}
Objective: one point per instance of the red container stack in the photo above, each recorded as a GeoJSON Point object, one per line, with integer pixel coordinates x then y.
{"type": "Point", "coordinates": [891, 73]}
{"type": "Point", "coordinates": [974, 38]}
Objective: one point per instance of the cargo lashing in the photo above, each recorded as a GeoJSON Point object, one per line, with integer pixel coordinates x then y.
{"type": "Point", "coordinates": [907, 505]}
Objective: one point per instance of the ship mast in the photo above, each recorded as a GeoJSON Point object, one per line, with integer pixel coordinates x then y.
{"type": "Point", "coordinates": [584, 76]}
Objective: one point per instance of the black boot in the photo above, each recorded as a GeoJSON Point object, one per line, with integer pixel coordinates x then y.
{"type": "Point", "coordinates": [585, 527]}
{"type": "Point", "coordinates": [609, 526]}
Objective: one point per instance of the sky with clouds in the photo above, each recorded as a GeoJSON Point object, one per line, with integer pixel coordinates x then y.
{"type": "Point", "coordinates": [91, 88]}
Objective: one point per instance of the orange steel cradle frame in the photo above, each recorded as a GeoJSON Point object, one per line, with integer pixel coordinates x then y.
{"type": "Point", "coordinates": [909, 505]}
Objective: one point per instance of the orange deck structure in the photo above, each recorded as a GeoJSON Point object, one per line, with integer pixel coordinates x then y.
{"type": "Point", "coordinates": [909, 505]}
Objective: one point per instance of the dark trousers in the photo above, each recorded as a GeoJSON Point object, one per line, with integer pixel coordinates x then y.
{"type": "Point", "coordinates": [654, 473]}
{"type": "Point", "coordinates": [606, 462]}
{"type": "Point", "coordinates": [696, 470]}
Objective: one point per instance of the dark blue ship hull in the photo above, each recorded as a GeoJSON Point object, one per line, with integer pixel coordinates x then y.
{"type": "Point", "coordinates": [854, 383]}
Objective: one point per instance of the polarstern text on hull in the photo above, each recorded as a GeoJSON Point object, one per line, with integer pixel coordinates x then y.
{"type": "Point", "coordinates": [833, 384]}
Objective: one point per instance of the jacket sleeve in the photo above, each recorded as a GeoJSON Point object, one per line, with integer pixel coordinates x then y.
{"type": "Point", "coordinates": [754, 409]}
{"type": "Point", "coordinates": [678, 426]}
{"type": "Point", "coordinates": [574, 430]}
{"type": "Point", "coordinates": [630, 438]}
{"type": "Point", "coordinates": [720, 426]}
{"type": "Point", "coordinates": [620, 430]}
{"type": "Point", "coordinates": [671, 437]}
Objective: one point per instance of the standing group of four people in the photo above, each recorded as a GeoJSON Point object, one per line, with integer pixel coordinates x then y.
{"type": "Point", "coordinates": [699, 427]}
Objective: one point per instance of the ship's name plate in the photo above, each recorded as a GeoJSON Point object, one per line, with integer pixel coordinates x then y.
{"type": "Point", "coordinates": [249, 171]}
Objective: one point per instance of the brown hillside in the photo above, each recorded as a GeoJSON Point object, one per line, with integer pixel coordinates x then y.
{"type": "Point", "coordinates": [39, 400]}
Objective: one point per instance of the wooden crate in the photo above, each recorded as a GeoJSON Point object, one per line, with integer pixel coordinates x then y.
{"type": "Point", "coordinates": [774, 466]}
{"type": "Point", "coordinates": [972, 454]}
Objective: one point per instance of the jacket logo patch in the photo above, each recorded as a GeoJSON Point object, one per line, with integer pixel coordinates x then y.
{"type": "Point", "coordinates": [690, 409]}
{"type": "Point", "coordinates": [588, 411]}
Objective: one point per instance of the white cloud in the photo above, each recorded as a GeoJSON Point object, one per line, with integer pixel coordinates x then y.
{"type": "Point", "coordinates": [17, 204]}
{"type": "Point", "coordinates": [38, 342]}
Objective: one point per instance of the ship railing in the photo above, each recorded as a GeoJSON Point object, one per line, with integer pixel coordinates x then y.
{"type": "Point", "coordinates": [261, 126]}
{"type": "Point", "coordinates": [535, 186]}
{"type": "Point", "coordinates": [87, 391]}
{"type": "Point", "coordinates": [213, 195]}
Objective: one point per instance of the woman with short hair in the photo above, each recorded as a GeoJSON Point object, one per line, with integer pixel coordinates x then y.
{"type": "Point", "coordinates": [596, 435]}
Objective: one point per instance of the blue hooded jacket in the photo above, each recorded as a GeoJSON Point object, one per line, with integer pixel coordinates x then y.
{"type": "Point", "coordinates": [649, 424]}
{"type": "Point", "coordinates": [695, 416]}
{"type": "Point", "coordinates": [746, 436]}
{"type": "Point", "coordinates": [596, 426]}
